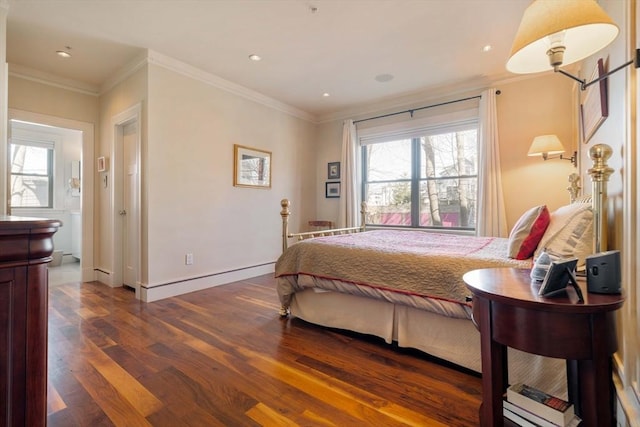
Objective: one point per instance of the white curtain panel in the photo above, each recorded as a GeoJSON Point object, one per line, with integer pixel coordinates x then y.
{"type": "Point", "coordinates": [492, 218]}
{"type": "Point", "coordinates": [349, 212]}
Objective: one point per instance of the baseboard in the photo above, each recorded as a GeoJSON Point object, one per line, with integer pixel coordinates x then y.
{"type": "Point", "coordinates": [88, 274]}
{"type": "Point", "coordinates": [103, 276]}
{"type": "Point", "coordinates": [167, 290]}
{"type": "Point", "coordinates": [627, 405]}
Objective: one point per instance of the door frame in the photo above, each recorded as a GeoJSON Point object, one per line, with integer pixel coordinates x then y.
{"type": "Point", "coordinates": [87, 194]}
{"type": "Point", "coordinates": [118, 122]}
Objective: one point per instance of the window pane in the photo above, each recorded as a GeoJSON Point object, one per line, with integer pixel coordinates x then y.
{"type": "Point", "coordinates": [29, 191]}
{"type": "Point", "coordinates": [26, 159]}
{"type": "Point", "coordinates": [389, 203]}
{"type": "Point", "coordinates": [31, 176]}
{"type": "Point", "coordinates": [389, 161]}
{"type": "Point", "coordinates": [448, 203]}
{"type": "Point", "coordinates": [427, 181]}
{"type": "Point", "coordinates": [449, 154]}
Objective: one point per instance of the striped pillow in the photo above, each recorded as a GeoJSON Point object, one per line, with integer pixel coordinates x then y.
{"type": "Point", "coordinates": [570, 233]}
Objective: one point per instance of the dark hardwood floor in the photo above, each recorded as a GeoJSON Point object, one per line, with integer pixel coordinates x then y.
{"type": "Point", "coordinates": [223, 357]}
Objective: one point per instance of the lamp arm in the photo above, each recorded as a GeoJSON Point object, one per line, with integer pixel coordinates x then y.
{"type": "Point", "coordinates": [573, 159]}
{"type": "Point", "coordinates": [584, 84]}
{"type": "Point", "coordinates": [571, 76]}
{"type": "Point", "coordinates": [615, 70]}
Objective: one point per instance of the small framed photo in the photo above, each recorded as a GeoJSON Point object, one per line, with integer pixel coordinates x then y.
{"type": "Point", "coordinates": [333, 170]}
{"type": "Point", "coordinates": [332, 190]}
{"type": "Point", "coordinates": [558, 277]}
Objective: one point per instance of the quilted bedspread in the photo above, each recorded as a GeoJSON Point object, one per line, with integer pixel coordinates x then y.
{"type": "Point", "coordinates": [412, 262]}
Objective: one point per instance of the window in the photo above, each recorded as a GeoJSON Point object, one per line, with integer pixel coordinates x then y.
{"type": "Point", "coordinates": [31, 174]}
{"type": "Point", "coordinates": [424, 178]}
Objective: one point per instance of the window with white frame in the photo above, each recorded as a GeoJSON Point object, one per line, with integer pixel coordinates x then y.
{"type": "Point", "coordinates": [422, 178]}
{"type": "Point", "coordinates": [31, 174]}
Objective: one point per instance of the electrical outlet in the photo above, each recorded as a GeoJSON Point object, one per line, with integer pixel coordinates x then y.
{"type": "Point", "coordinates": [188, 259]}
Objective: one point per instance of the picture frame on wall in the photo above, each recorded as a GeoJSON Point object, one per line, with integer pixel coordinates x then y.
{"type": "Point", "coordinates": [594, 108]}
{"type": "Point", "coordinates": [332, 190]}
{"type": "Point", "coordinates": [251, 167]}
{"type": "Point", "coordinates": [333, 170]}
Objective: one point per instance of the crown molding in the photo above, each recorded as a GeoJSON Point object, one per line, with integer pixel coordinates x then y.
{"type": "Point", "coordinates": [124, 72]}
{"type": "Point", "coordinates": [152, 57]}
{"type": "Point", "coordinates": [226, 85]}
{"type": "Point", "coordinates": [27, 73]}
{"type": "Point", "coordinates": [433, 94]}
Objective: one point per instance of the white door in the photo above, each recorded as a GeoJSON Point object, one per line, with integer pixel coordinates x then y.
{"type": "Point", "coordinates": [131, 210]}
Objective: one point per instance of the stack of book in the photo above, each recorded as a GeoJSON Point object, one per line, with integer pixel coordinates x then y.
{"type": "Point", "coordinates": [530, 407]}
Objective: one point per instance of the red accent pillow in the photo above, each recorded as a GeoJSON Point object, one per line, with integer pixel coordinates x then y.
{"type": "Point", "coordinates": [528, 232]}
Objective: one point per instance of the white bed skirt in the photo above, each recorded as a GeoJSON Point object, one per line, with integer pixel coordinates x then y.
{"type": "Point", "coordinates": [452, 339]}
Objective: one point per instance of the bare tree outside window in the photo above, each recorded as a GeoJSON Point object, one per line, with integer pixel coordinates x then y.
{"type": "Point", "coordinates": [428, 181]}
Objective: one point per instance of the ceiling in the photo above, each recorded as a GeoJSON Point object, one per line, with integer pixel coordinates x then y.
{"type": "Point", "coordinates": [307, 47]}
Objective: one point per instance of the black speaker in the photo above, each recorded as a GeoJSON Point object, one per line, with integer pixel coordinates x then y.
{"type": "Point", "coordinates": [603, 273]}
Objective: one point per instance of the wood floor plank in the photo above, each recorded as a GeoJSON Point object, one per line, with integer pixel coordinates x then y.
{"type": "Point", "coordinates": [263, 415]}
{"type": "Point", "coordinates": [361, 404]}
{"type": "Point", "coordinates": [223, 357]}
{"type": "Point", "coordinates": [128, 387]}
{"type": "Point", "coordinates": [80, 406]}
{"type": "Point", "coordinates": [54, 401]}
{"type": "Point", "coordinates": [120, 411]}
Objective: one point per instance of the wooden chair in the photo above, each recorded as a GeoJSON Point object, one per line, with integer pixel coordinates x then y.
{"type": "Point", "coordinates": [317, 225]}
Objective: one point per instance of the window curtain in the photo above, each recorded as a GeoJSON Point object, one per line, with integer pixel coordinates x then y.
{"type": "Point", "coordinates": [491, 215]}
{"type": "Point", "coordinates": [349, 211]}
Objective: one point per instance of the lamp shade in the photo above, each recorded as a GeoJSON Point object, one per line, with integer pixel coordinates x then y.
{"type": "Point", "coordinates": [580, 27]}
{"type": "Point", "coordinates": [544, 145]}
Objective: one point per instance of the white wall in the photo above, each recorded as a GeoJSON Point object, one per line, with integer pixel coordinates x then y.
{"type": "Point", "coordinates": [192, 205]}
{"type": "Point", "coordinates": [129, 92]}
{"type": "Point", "coordinates": [4, 8]}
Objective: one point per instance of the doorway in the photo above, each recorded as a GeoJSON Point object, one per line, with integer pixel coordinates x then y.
{"type": "Point", "coordinates": [71, 188]}
{"type": "Point", "coordinates": [126, 199]}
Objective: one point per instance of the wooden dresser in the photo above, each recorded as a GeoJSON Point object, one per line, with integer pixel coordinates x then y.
{"type": "Point", "coordinates": [26, 245]}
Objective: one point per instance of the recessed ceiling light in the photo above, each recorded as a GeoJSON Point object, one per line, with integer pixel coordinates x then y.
{"type": "Point", "coordinates": [487, 48]}
{"type": "Point", "coordinates": [383, 78]}
{"type": "Point", "coordinates": [63, 54]}
{"type": "Point", "coordinates": [255, 57]}
{"type": "Point", "coordinates": [326, 94]}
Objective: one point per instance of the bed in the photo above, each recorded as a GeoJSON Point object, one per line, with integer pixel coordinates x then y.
{"type": "Point", "coordinates": [406, 286]}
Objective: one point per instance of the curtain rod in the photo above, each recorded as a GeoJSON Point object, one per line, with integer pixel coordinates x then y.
{"type": "Point", "coordinates": [411, 111]}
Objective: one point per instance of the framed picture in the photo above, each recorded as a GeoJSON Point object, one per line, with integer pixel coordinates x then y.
{"type": "Point", "coordinates": [558, 277]}
{"type": "Point", "coordinates": [594, 108]}
{"type": "Point", "coordinates": [333, 170]}
{"type": "Point", "coordinates": [332, 190]}
{"type": "Point", "coordinates": [251, 167]}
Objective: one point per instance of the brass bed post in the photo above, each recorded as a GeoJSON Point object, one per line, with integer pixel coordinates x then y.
{"type": "Point", "coordinates": [284, 213]}
{"type": "Point", "coordinates": [600, 173]}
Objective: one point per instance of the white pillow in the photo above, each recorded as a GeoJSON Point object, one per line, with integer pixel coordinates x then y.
{"type": "Point", "coordinates": [570, 233]}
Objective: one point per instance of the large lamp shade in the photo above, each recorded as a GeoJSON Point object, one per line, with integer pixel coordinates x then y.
{"type": "Point", "coordinates": [579, 27]}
